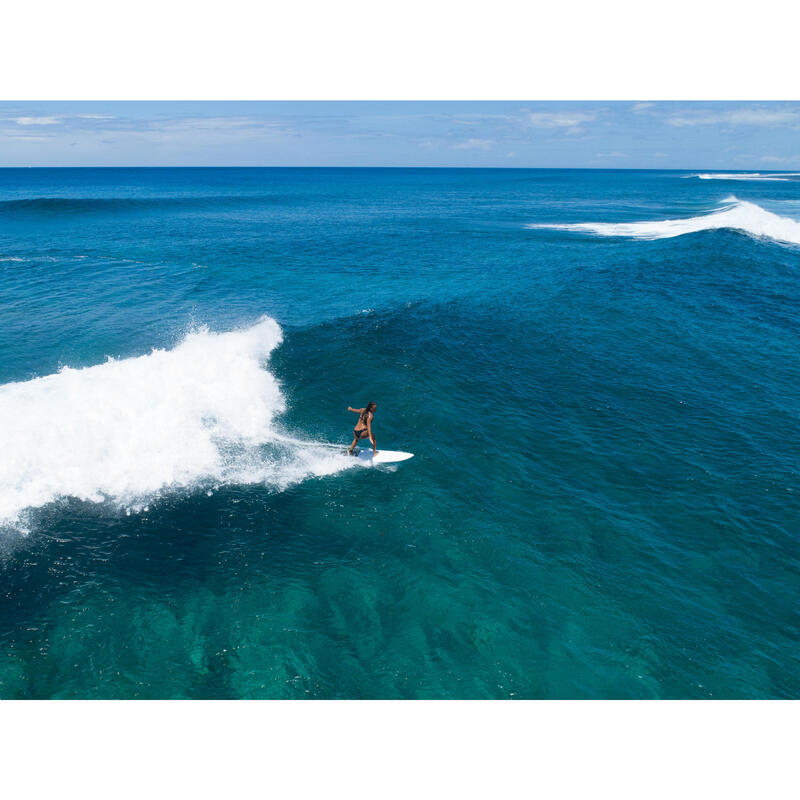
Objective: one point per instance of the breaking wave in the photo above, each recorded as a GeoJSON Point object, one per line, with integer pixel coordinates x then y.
{"type": "Point", "coordinates": [126, 431]}
{"type": "Point", "coordinates": [745, 176]}
{"type": "Point", "coordinates": [734, 214]}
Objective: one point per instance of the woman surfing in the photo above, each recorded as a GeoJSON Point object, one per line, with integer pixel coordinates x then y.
{"type": "Point", "coordinates": [363, 426]}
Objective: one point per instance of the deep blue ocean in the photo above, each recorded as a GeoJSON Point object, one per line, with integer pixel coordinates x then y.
{"type": "Point", "coordinates": [598, 373]}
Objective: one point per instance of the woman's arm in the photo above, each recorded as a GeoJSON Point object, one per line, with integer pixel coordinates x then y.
{"type": "Point", "coordinates": [355, 410]}
{"type": "Point", "coordinates": [371, 437]}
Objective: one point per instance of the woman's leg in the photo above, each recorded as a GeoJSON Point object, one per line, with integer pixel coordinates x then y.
{"type": "Point", "coordinates": [355, 441]}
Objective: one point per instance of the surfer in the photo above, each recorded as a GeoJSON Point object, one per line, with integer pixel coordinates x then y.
{"type": "Point", "coordinates": [363, 426]}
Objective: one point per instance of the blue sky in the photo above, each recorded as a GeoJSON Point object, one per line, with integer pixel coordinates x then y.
{"type": "Point", "coordinates": [667, 135]}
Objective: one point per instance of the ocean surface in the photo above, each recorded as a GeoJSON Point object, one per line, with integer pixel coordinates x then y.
{"type": "Point", "coordinates": [598, 373]}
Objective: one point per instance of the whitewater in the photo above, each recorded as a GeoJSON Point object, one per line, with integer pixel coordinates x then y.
{"type": "Point", "coordinates": [745, 176]}
{"type": "Point", "coordinates": [733, 214]}
{"type": "Point", "coordinates": [198, 415]}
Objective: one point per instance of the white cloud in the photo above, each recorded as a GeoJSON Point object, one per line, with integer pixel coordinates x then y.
{"type": "Point", "coordinates": [739, 116]}
{"type": "Point", "coordinates": [747, 116]}
{"type": "Point", "coordinates": [10, 137]}
{"type": "Point", "coordinates": [475, 144]}
{"type": "Point", "coordinates": [212, 123]}
{"type": "Point", "coordinates": [37, 120]}
{"type": "Point", "coordinates": [639, 107]}
{"type": "Point", "coordinates": [558, 119]}
{"type": "Point", "coordinates": [779, 159]}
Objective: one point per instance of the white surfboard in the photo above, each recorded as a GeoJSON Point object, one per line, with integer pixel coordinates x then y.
{"type": "Point", "coordinates": [382, 457]}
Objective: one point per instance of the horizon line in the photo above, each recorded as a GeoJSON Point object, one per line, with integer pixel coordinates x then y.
{"type": "Point", "coordinates": [362, 166]}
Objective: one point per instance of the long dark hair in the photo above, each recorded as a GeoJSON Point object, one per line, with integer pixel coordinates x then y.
{"type": "Point", "coordinates": [370, 407]}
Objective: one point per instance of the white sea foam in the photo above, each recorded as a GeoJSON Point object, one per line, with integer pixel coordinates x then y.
{"type": "Point", "coordinates": [200, 414]}
{"type": "Point", "coordinates": [734, 214]}
{"type": "Point", "coordinates": [744, 176]}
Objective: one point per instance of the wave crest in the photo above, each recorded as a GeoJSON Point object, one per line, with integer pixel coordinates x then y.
{"type": "Point", "coordinates": [735, 214]}
{"type": "Point", "coordinates": [57, 206]}
{"type": "Point", "coordinates": [127, 430]}
{"type": "Point", "coordinates": [745, 176]}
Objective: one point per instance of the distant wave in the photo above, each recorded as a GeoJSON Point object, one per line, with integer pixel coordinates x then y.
{"type": "Point", "coordinates": [745, 176]}
{"type": "Point", "coordinates": [735, 214]}
{"type": "Point", "coordinates": [79, 205]}
{"type": "Point", "coordinates": [126, 431]}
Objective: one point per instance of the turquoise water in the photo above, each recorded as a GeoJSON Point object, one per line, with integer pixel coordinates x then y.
{"type": "Point", "coordinates": [604, 497]}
